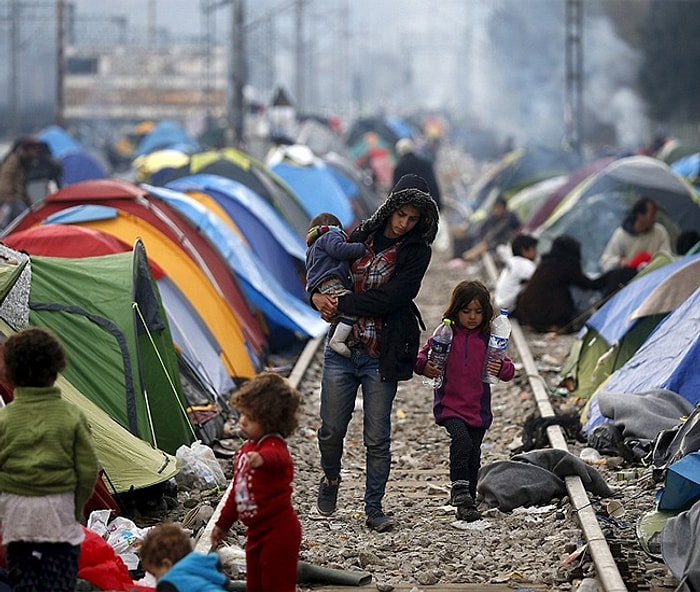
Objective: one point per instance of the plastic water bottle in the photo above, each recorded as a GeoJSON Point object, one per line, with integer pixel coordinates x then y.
{"type": "Point", "coordinates": [498, 343]}
{"type": "Point", "coordinates": [440, 343]}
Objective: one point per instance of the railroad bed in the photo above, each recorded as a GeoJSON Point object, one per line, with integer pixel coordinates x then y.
{"type": "Point", "coordinates": [543, 548]}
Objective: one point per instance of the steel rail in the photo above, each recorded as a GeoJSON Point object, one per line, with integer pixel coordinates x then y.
{"type": "Point", "coordinates": [607, 572]}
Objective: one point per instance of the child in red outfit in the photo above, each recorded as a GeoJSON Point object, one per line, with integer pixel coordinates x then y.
{"type": "Point", "coordinates": [261, 492]}
{"type": "Point", "coordinates": [462, 404]}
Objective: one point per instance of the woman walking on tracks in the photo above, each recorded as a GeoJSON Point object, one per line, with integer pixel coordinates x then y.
{"type": "Point", "coordinates": [384, 342]}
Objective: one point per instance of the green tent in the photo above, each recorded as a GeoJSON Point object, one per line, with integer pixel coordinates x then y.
{"type": "Point", "coordinates": [128, 462]}
{"type": "Point", "coordinates": [108, 313]}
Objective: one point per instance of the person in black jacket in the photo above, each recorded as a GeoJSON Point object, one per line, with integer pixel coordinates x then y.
{"type": "Point", "coordinates": [547, 303]}
{"type": "Point", "coordinates": [412, 163]}
{"type": "Point", "coordinates": [384, 341]}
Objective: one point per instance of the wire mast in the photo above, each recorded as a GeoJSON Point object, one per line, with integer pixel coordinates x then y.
{"type": "Point", "coordinates": [573, 114]}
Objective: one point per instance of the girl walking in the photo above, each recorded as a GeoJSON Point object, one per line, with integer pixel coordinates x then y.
{"type": "Point", "coordinates": [462, 404]}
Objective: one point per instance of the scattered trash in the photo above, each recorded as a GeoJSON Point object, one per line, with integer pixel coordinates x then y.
{"type": "Point", "coordinates": [615, 509]}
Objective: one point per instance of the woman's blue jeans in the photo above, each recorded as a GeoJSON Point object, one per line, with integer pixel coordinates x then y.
{"type": "Point", "coordinates": [339, 386]}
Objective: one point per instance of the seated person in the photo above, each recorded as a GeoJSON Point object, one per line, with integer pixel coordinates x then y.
{"type": "Point", "coordinates": [547, 302]}
{"type": "Point", "coordinates": [167, 554]}
{"type": "Point", "coordinates": [497, 229]}
{"type": "Point", "coordinates": [516, 271]}
{"type": "Point", "coordinates": [637, 240]}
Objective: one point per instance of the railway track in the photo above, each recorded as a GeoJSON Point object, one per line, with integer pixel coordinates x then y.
{"type": "Point", "coordinates": [615, 570]}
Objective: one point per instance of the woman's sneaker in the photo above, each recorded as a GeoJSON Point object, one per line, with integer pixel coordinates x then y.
{"type": "Point", "coordinates": [379, 521]}
{"type": "Point", "coordinates": [327, 496]}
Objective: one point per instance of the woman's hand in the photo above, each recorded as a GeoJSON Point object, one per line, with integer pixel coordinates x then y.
{"type": "Point", "coordinates": [326, 305]}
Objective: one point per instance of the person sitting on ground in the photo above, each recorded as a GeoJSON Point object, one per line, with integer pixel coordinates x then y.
{"type": "Point", "coordinates": [412, 163]}
{"type": "Point", "coordinates": [166, 553]}
{"type": "Point", "coordinates": [497, 229]}
{"type": "Point", "coordinates": [637, 239]}
{"type": "Point", "coordinates": [516, 271]}
{"type": "Point", "coordinates": [547, 302]}
{"type": "Point", "coordinates": [328, 257]}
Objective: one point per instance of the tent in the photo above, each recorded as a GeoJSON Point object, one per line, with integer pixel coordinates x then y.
{"type": "Point", "coordinates": [220, 319]}
{"type": "Point", "coordinates": [76, 163]}
{"type": "Point", "coordinates": [167, 134]}
{"type": "Point", "coordinates": [239, 166]}
{"type": "Point", "coordinates": [597, 206]}
{"type": "Point", "coordinates": [128, 462]}
{"type": "Point", "coordinates": [108, 313]}
{"type": "Point", "coordinates": [313, 181]}
{"type": "Point", "coordinates": [526, 202]}
{"type": "Point", "coordinates": [286, 315]}
{"type": "Point", "coordinates": [575, 178]}
{"type": "Point", "coordinates": [356, 185]}
{"type": "Point", "coordinates": [666, 360]}
{"type": "Point", "coordinates": [282, 252]}
{"type": "Point", "coordinates": [616, 330]}
{"type": "Point", "coordinates": [188, 251]}
{"type": "Point", "coordinates": [189, 331]}
{"type": "Point", "coordinates": [519, 169]}
{"type": "Point", "coordinates": [689, 167]}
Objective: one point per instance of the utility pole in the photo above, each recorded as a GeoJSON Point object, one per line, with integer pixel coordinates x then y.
{"type": "Point", "coordinates": [60, 63]}
{"type": "Point", "coordinates": [237, 71]}
{"type": "Point", "coordinates": [300, 82]}
{"type": "Point", "coordinates": [574, 73]}
{"type": "Point", "coordinates": [14, 66]}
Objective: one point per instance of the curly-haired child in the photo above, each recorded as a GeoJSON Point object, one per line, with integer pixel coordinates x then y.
{"type": "Point", "coordinates": [261, 493]}
{"type": "Point", "coordinates": [166, 552]}
{"type": "Point", "coordinates": [48, 467]}
{"type": "Point", "coordinates": [462, 404]}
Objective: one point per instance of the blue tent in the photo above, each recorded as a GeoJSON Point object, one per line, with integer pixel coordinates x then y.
{"type": "Point", "coordinates": [282, 310]}
{"type": "Point", "coordinates": [689, 167]}
{"type": "Point", "coordinates": [314, 182]}
{"type": "Point", "coordinates": [281, 251]}
{"type": "Point", "coordinates": [167, 134]}
{"type": "Point", "coordinates": [666, 360]}
{"type": "Point", "coordinates": [76, 164]}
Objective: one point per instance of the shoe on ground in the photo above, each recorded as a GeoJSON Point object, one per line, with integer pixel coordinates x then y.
{"type": "Point", "coordinates": [459, 494]}
{"type": "Point", "coordinates": [468, 513]}
{"type": "Point", "coordinates": [327, 496]}
{"type": "Point", "coordinates": [380, 522]}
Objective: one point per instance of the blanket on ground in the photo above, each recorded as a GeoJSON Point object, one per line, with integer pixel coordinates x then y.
{"type": "Point", "coordinates": [535, 478]}
{"type": "Point", "coordinates": [644, 415]}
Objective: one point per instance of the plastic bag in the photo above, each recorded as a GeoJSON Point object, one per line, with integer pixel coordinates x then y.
{"type": "Point", "coordinates": [199, 466]}
{"type": "Point", "coordinates": [121, 533]}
